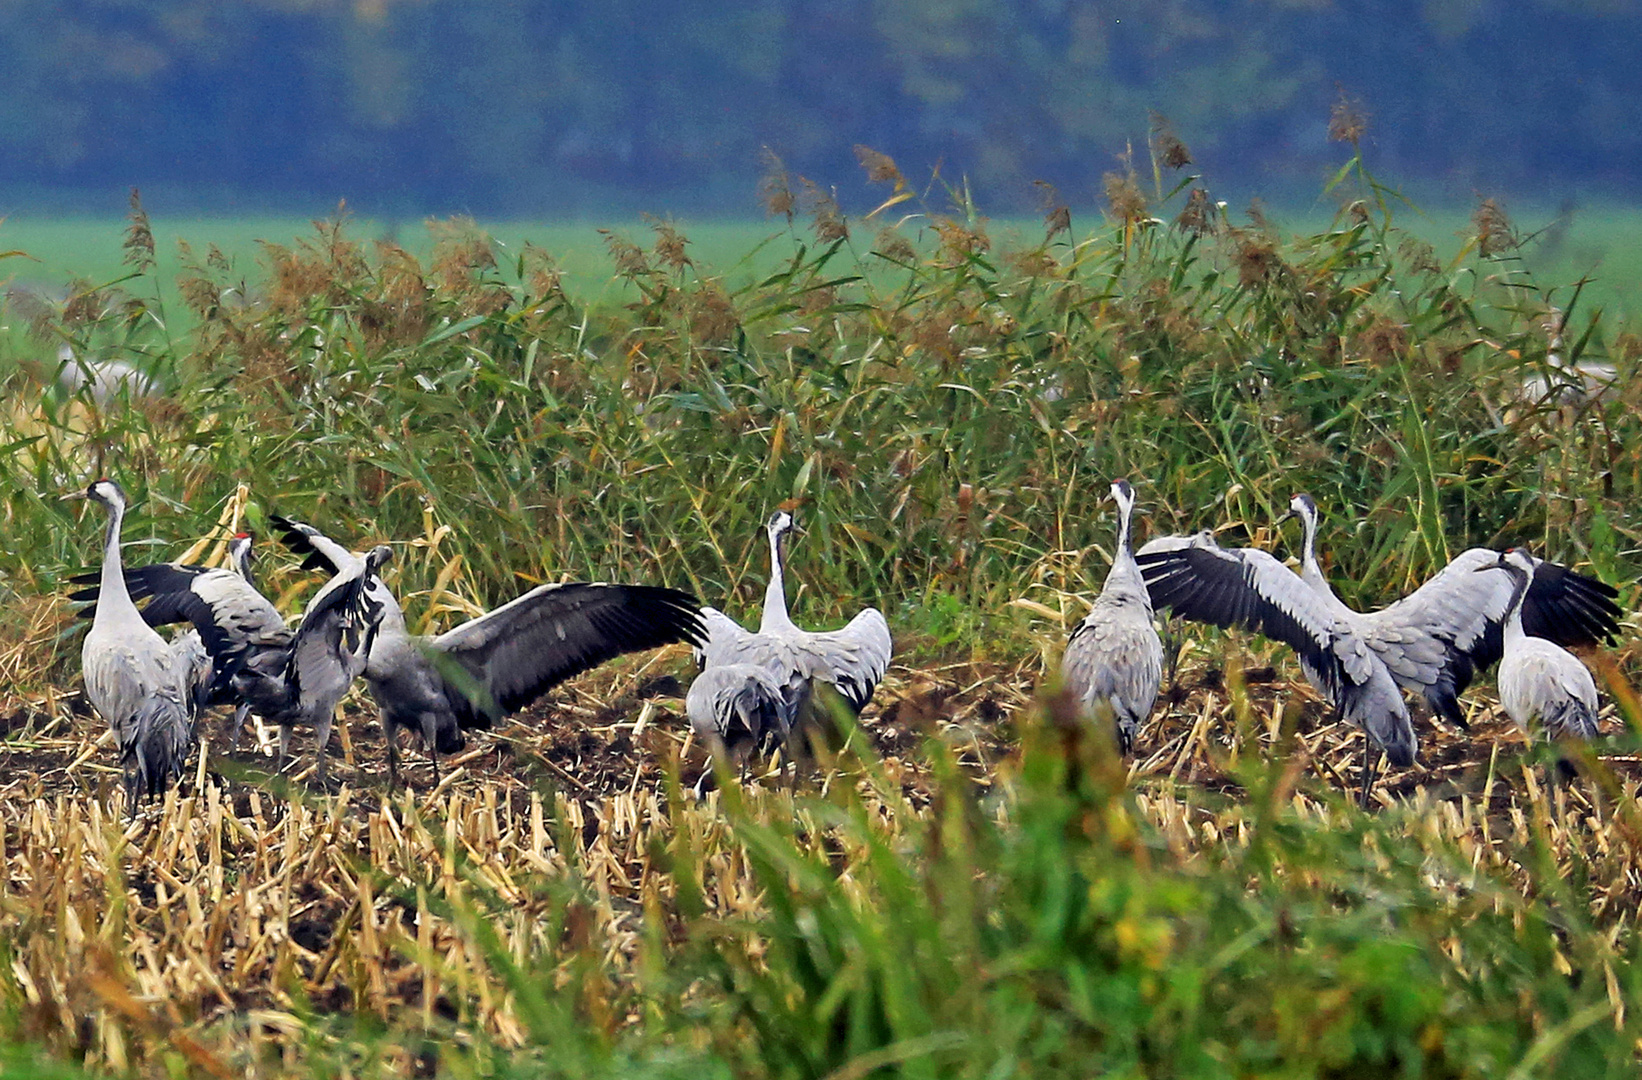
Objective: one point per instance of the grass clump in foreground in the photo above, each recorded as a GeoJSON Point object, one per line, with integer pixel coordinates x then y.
{"type": "Point", "coordinates": [947, 414]}
{"type": "Point", "coordinates": [1060, 924]}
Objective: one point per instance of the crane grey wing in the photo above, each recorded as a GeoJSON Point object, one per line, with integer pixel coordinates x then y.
{"type": "Point", "coordinates": [726, 640]}
{"type": "Point", "coordinates": [517, 652]}
{"type": "Point", "coordinates": [853, 659]}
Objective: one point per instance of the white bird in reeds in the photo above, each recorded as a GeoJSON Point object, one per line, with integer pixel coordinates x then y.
{"type": "Point", "coordinates": [1114, 659]}
{"type": "Point", "coordinates": [132, 676]}
{"type": "Point", "coordinates": [1246, 587]}
{"type": "Point", "coordinates": [1435, 640]}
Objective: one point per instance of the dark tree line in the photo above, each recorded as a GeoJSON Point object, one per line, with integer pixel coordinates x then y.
{"type": "Point", "coordinates": [547, 107]}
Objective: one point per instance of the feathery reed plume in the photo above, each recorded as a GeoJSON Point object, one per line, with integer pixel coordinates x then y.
{"type": "Point", "coordinates": [1494, 232]}
{"type": "Point", "coordinates": [775, 187]}
{"type": "Point", "coordinates": [893, 246]}
{"type": "Point", "coordinates": [880, 166]}
{"type": "Point", "coordinates": [1166, 145]}
{"type": "Point", "coordinates": [669, 245]}
{"type": "Point", "coordinates": [628, 256]}
{"type": "Point", "coordinates": [1124, 198]}
{"type": "Point", "coordinates": [829, 222]}
{"type": "Point", "coordinates": [139, 237]}
{"type": "Point", "coordinates": [1057, 216]}
{"type": "Point", "coordinates": [1199, 216]}
{"type": "Point", "coordinates": [1347, 120]}
{"type": "Point", "coordinates": [199, 292]}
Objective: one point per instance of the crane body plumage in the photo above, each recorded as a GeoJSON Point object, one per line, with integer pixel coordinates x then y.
{"type": "Point", "coordinates": [1541, 684]}
{"type": "Point", "coordinates": [132, 676]}
{"type": "Point", "coordinates": [1113, 662]}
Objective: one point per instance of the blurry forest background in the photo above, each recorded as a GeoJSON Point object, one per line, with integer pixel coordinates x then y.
{"type": "Point", "coordinates": [552, 110]}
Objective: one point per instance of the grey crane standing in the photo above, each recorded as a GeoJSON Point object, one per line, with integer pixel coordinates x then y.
{"type": "Point", "coordinates": [1435, 640]}
{"type": "Point", "coordinates": [131, 675]}
{"type": "Point", "coordinates": [1540, 682]}
{"type": "Point", "coordinates": [476, 673]}
{"type": "Point", "coordinates": [755, 689]}
{"type": "Point", "coordinates": [1247, 587]}
{"type": "Point", "coordinates": [1114, 658]}
{"type": "Point", "coordinates": [286, 676]}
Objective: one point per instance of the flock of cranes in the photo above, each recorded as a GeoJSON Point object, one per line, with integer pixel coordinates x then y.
{"type": "Point", "coordinates": [1484, 607]}
{"type": "Point", "coordinates": [757, 690]}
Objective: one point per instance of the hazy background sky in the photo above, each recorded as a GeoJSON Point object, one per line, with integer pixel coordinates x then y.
{"type": "Point", "coordinates": [542, 110]}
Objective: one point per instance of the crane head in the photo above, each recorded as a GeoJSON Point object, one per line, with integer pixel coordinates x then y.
{"type": "Point", "coordinates": [1302, 506]}
{"type": "Point", "coordinates": [780, 522]}
{"type": "Point", "coordinates": [102, 490]}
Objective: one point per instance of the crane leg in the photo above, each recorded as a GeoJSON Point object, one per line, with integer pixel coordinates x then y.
{"type": "Point", "coordinates": [236, 726]}
{"type": "Point", "coordinates": [393, 761]}
{"type": "Point", "coordinates": [322, 739]}
{"type": "Point", "coordinates": [430, 739]}
{"type": "Point", "coordinates": [1370, 772]}
{"type": "Point", "coordinates": [284, 746]}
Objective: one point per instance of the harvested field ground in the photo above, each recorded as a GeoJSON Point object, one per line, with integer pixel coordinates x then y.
{"type": "Point", "coordinates": [251, 917]}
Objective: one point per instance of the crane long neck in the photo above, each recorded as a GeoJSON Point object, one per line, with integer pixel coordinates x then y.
{"type": "Point", "coordinates": [1513, 613]}
{"type": "Point", "coordinates": [775, 594]}
{"type": "Point", "coordinates": [114, 593]}
{"type": "Point", "coordinates": [1308, 554]}
{"type": "Point", "coordinates": [1125, 547]}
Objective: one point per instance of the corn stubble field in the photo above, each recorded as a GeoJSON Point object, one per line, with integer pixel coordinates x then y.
{"type": "Point", "coordinates": [972, 884]}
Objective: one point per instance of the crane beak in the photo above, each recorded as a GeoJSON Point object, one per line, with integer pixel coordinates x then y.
{"type": "Point", "coordinates": [1287, 516]}
{"type": "Point", "coordinates": [73, 496]}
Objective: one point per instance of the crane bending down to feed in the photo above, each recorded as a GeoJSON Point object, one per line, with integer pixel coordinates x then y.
{"type": "Point", "coordinates": [1249, 588]}
{"type": "Point", "coordinates": [1114, 658]}
{"type": "Point", "coordinates": [474, 674]}
{"type": "Point", "coordinates": [1436, 639]}
{"type": "Point", "coordinates": [852, 660]}
{"type": "Point", "coordinates": [1540, 682]}
{"type": "Point", "coordinates": [131, 675]}
{"type": "Point", "coordinates": [288, 677]}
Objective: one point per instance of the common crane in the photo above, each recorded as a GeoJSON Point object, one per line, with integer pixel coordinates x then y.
{"type": "Point", "coordinates": [1114, 658]}
{"type": "Point", "coordinates": [474, 674]}
{"type": "Point", "coordinates": [132, 677]}
{"type": "Point", "coordinates": [770, 674]}
{"type": "Point", "coordinates": [1249, 588]}
{"type": "Point", "coordinates": [1437, 638]}
{"type": "Point", "coordinates": [1540, 682]}
{"type": "Point", "coordinates": [853, 659]}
